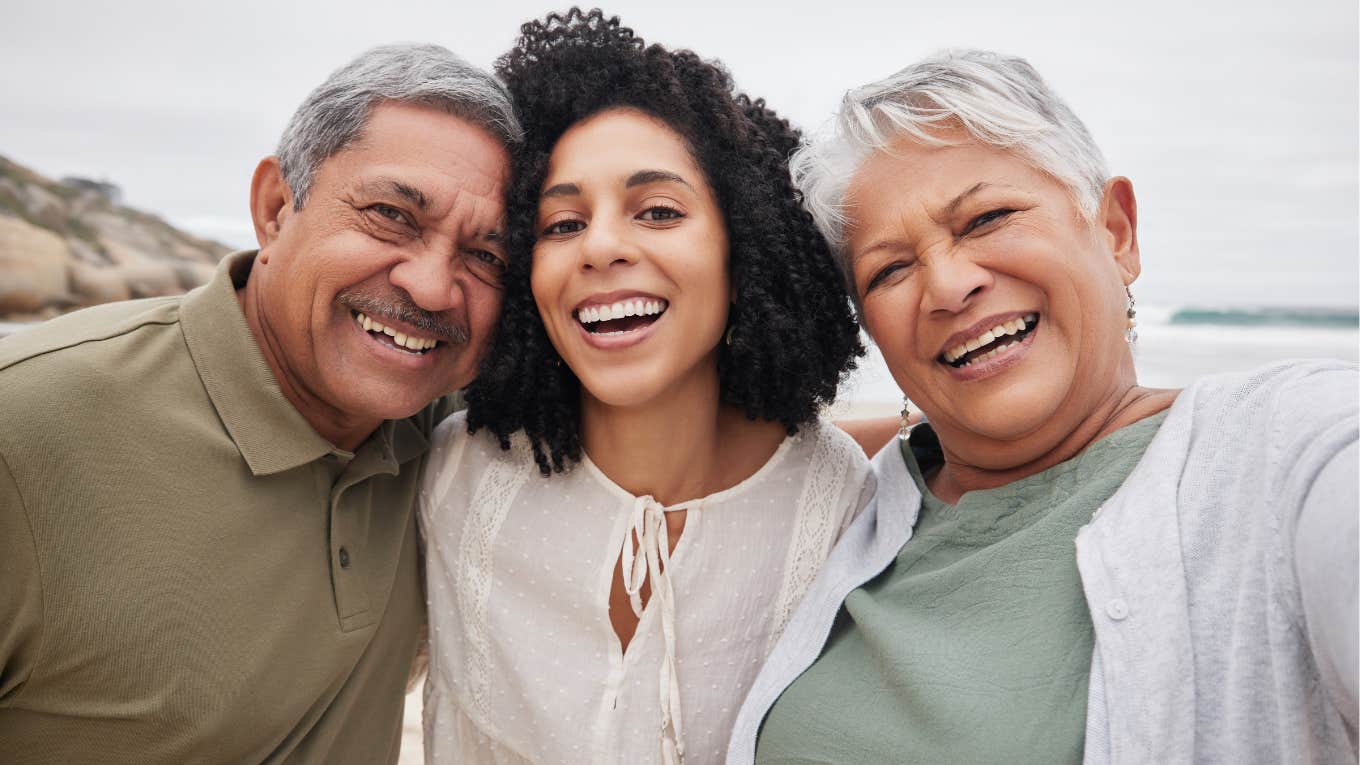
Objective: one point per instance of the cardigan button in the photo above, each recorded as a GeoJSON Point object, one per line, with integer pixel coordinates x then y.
{"type": "Point", "coordinates": [1117, 609]}
{"type": "Point", "coordinates": [344, 558]}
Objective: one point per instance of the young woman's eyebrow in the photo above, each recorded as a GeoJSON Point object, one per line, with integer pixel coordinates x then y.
{"type": "Point", "coordinates": [643, 177]}
{"type": "Point", "coordinates": [562, 190]}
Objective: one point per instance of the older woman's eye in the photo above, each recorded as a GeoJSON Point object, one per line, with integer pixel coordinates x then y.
{"type": "Point", "coordinates": [660, 213]}
{"type": "Point", "coordinates": [882, 275]}
{"type": "Point", "coordinates": [991, 216]}
{"type": "Point", "coordinates": [569, 226]}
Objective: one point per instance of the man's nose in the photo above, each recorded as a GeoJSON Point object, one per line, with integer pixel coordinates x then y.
{"type": "Point", "coordinates": [432, 278]}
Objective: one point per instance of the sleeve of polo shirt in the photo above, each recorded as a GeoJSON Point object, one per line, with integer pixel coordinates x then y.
{"type": "Point", "coordinates": [21, 598]}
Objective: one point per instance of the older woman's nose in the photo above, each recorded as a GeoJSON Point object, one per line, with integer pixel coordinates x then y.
{"type": "Point", "coordinates": [605, 243]}
{"type": "Point", "coordinates": [953, 282]}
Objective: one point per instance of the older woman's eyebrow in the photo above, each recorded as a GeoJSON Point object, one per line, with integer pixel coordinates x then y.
{"type": "Point", "coordinates": [643, 177]}
{"type": "Point", "coordinates": [391, 186]}
{"type": "Point", "coordinates": [953, 206]}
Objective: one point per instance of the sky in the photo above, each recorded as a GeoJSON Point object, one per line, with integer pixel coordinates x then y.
{"type": "Point", "coordinates": [1239, 122]}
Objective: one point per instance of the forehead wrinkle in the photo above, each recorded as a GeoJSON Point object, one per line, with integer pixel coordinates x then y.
{"type": "Point", "coordinates": [483, 221]}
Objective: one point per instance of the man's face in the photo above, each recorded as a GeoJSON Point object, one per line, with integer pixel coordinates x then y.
{"type": "Point", "coordinates": [382, 292]}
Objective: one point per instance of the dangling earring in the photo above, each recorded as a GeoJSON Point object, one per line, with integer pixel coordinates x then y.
{"type": "Point", "coordinates": [1130, 331]}
{"type": "Point", "coordinates": [908, 412]}
{"type": "Point", "coordinates": [727, 336]}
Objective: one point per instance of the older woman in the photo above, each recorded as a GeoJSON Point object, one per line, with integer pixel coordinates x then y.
{"type": "Point", "coordinates": [1208, 609]}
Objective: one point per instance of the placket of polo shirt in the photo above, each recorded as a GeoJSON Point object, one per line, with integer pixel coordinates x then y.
{"type": "Point", "coordinates": [352, 570]}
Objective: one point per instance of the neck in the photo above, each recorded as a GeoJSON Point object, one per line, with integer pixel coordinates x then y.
{"type": "Point", "coordinates": [681, 445]}
{"type": "Point", "coordinates": [328, 422]}
{"type": "Point", "coordinates": [1123, 406]}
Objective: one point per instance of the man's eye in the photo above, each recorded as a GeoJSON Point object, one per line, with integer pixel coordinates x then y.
{"type": "Point", "coordinates": [394, 214]}
{"type": "Point", "coordinates": [657, 213]}
{"type": "Point", "coordinates": [569, 226]}
{"type": "Point", "coordinates": [991, 216]}
{"type": "Point", "coordinates": [487, 257]}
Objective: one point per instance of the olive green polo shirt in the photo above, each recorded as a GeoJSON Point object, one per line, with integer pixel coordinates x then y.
{"type": "Point", "coordinates": [188, 572]}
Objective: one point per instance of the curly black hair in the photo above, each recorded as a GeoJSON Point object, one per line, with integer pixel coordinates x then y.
{"type": "Point", "coordinates": [793, 336]}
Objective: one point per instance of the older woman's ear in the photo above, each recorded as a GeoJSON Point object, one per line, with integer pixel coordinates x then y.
{"type": "Point", "coordinates": [1119, 223]}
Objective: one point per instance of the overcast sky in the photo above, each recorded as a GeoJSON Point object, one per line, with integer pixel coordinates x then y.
{"type": "Point", "coordinates": [1238, 121]}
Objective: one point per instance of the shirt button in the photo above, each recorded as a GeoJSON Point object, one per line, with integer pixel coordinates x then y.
{"type": "Point", "coordinates": [1117, 609]}
{"type": "Point", "coordinates": [344, 558]}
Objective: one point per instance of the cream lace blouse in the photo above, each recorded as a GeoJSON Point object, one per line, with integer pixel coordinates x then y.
{"type": "Point", "coordinates": [524, 662]}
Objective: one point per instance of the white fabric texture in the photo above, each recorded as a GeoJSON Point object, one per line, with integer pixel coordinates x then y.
{"type": "Point", "coordinates": [524, 662]}
{"type": "Point", "coordinates": [1220, 578]}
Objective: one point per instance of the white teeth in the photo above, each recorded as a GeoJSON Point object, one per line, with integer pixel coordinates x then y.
{"type": "Point", "coordinates": [410, 342]}
{"type": "Point", "coordinates": [1001, 330]}
{"type": "Point", "coordinates": [619, 310]}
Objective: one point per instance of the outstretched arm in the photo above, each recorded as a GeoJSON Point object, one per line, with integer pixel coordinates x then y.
{"type": "Point", "coordinates": [1325, 561]}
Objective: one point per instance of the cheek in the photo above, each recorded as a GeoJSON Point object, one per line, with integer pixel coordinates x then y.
{"type": "Point", "coordinates": [889, 320]}
{"type": "Point", "coordinates": [546, 283]}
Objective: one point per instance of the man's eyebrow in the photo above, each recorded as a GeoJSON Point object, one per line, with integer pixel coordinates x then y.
{"type": "Point", "coordinates": [643, 177]}
{"type": "Point", "coordinates": [410, 193]}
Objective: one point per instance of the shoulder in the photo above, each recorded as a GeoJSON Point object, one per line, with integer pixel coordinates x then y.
{"type": "Point", "coordinates": [458, 458]}
{"type": "Point", "coordinates": [85, 334]}
{"type": "Point", "coordinates": [88, 363]}
{"type": "Point", "coordinates": [1284, 407]}
{"type": "Point", "coordinates": [822, 442]}
{"type": "Point", "coordinates": [833, 464]}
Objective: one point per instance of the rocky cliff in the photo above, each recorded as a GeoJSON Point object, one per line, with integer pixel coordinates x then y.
{"type": "Point", "coordinates": [69, 244]}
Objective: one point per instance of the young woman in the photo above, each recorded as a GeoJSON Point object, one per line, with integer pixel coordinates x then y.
{"type": "Point", "coordinates": [640, 492]}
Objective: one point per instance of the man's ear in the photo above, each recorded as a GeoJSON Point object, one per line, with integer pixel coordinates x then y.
{"type": "Point", "coordinates": [271, 201]}
{"type": "Point", "coordinates": [1119, 225]}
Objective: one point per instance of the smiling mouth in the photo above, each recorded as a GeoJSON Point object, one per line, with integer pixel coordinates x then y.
{"type": "Point", "coordinates": [621, 317]}
{"type": "Point", "coordinates": [990, 343]}
{"type": "Point", "coordinates": [400, 341]}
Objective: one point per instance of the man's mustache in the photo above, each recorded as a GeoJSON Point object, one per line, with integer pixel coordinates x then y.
{"type": "Point", "coordinates": [398, 306]}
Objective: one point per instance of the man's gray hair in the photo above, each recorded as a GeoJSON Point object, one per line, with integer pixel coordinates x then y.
{"type": "Point", "coordinates": [999, 100]}
{"type": "Point", "coordinates": [333, 116]}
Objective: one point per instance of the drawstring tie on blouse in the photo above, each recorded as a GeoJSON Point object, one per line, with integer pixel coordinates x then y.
{"type": "Point", "coordinates": [654, 560]}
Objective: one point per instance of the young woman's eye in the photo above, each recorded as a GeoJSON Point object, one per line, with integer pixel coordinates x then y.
{"type": "Point", "coordinates": [660, 213]}
{"type": "Point", "coordinates": [569, 226]}
{"type": "Point", "coordinates": [991, 216]}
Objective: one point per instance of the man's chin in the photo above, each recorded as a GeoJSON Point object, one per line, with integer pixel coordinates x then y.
{"type": "Point", "coordinates": [390, 404]}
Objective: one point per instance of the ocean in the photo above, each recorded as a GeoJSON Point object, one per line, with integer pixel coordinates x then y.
{"type": "Point", "coordinates": [1175, 347]}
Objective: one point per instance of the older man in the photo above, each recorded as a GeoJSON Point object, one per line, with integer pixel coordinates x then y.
{"type": "Point", "coordinates": [207, 550]}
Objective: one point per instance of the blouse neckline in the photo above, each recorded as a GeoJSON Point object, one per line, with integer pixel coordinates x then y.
{"type": "Point", "coordinates": [694, 504]}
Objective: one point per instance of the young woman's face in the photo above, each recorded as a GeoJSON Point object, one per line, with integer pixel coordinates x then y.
{"type": "Point", "coordinates": [630, 268]}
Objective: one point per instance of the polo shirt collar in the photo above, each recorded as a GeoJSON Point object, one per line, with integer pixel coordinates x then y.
{"type": "Point", "coordinates": [270, 433]}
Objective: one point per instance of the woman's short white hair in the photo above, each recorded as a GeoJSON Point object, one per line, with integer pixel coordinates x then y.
{"type": "Point", "coordinates": [999, 100]}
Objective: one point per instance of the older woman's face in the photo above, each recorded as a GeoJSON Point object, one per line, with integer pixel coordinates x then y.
{"type": "Point", "coordinates": [998, 308]}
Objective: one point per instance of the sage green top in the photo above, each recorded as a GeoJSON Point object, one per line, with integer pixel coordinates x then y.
{"type": "Point", "coordinates": [188, 572]}
{"type": "Point", "coordinates": [974, 646]}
